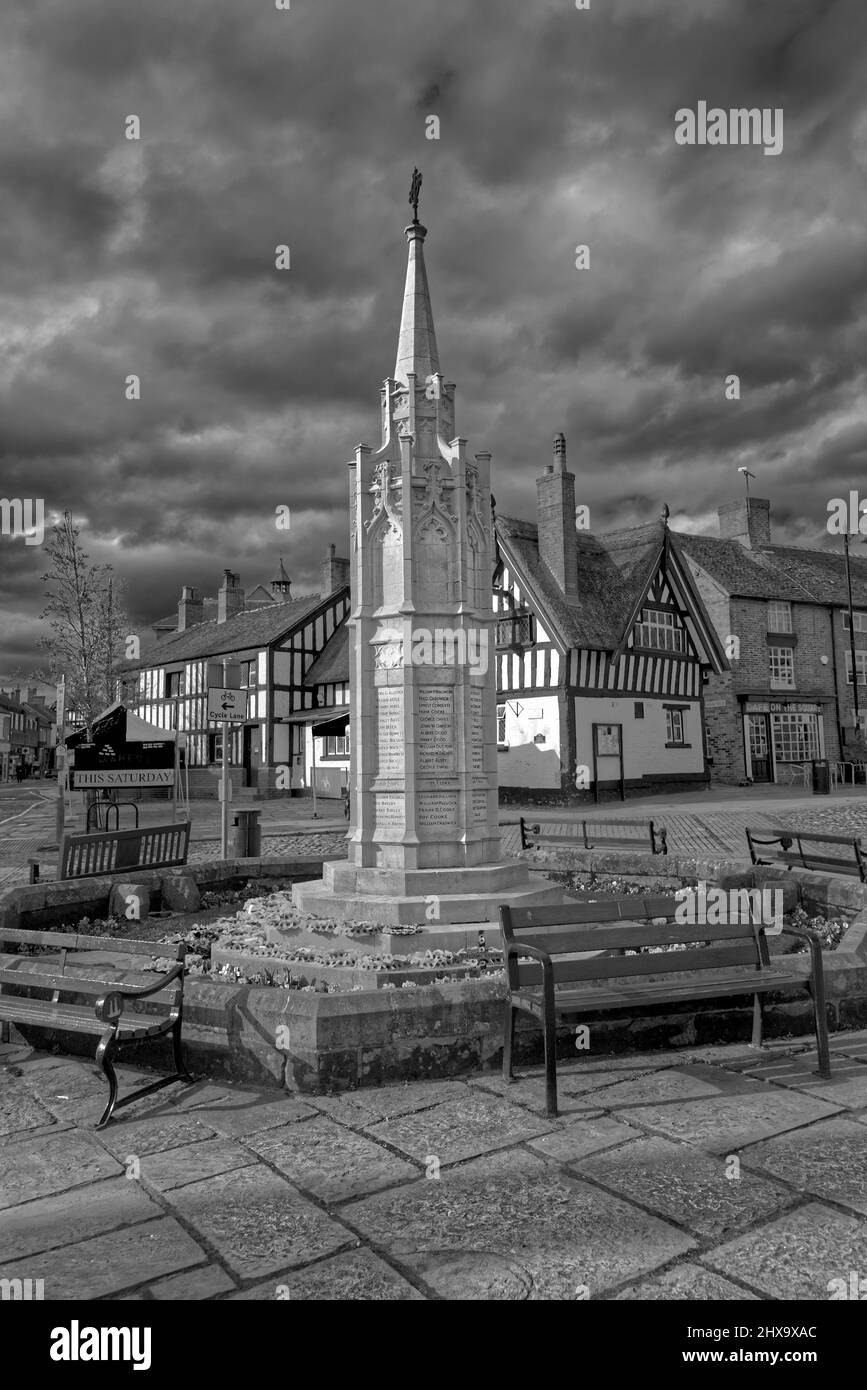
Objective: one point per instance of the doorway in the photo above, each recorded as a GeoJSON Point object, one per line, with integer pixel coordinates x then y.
{"type": "Point", "coordinates": [250, 753]}
{"type": "Point", "coordinates": [760, 746]}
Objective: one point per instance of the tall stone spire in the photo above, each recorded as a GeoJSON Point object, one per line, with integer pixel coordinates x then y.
{"type": "Point", "coordinates": [424, 820]}
{"type": "Point", "coordinates": [417, 343]}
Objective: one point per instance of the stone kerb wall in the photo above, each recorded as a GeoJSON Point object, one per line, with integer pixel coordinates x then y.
{"type": "Point", "coordinates": [44, 906]}
{"type": "Point", "coordinates": [310, 1042]}
{"type": "Point", "coordinates": [820, 894]}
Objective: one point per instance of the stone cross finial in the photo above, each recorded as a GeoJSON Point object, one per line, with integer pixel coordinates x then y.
{"type": "Point", "coordinates": [415, 189]}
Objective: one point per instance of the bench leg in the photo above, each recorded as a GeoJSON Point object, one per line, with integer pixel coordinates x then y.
{"type": "Point", "coordinates": [509, 1043]}
{"type": "Point", "coordinates": [103, 1057]}
{"type": "Point", "coordinates": [180, 1065]}
{"type": "Point", "coordinates": [758, 1019]}
{"type": "Point", "coordinates": [550, 1063]}
{"type": "Point", "coordinates": [820, 1015]}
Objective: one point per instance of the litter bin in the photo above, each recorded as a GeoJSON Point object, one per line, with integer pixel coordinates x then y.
{"type": "Point", "coordinates": [821, 777]}
{"type": "Point", "coordinates": [246, 835]}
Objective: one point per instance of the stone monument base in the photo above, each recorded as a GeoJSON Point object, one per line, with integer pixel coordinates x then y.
{"type": "Point", "coordinates": [422, 897]}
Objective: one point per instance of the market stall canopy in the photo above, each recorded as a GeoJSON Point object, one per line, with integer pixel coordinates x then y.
{"type": "Point", "coordinates": [326, 722]}
{"type": "Point", "coordinates": [118, 725]}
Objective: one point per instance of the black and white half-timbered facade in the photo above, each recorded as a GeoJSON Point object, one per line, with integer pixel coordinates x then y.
{"type": "Point", "coordinates": [603, 650]}
{"type": "Point", "coordinates": [295, 718]}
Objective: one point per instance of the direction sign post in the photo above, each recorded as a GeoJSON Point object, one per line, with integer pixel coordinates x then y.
{"type": "Point", "coordinates": [226, 705]}
{"type": "Point", "coordinates": [60, 757]}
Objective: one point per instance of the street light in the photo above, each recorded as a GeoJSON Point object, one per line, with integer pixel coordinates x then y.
{"type": "Point", "coordinates": [855, 706]}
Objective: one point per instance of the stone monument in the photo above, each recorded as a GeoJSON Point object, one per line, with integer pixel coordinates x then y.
{"type": "Point", "coordinates": [424, 844]}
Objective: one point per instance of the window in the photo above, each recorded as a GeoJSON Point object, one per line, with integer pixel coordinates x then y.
{"type": "Point", "coordinates": [861, 663]}
{"type": "Point", "coordinates": [796, 737]}
{"type": "Point", "coordinates": [779, 616]}
{"type": "Point", "coordinates": [782, 664]}
{"type": "Point", "coordinates": [250, 674]}
{"type": "Point", "coordinates": [659, 628]}
{"type": "Point", "coordinates": [335, 746]}
{"type": "Point", "coordinates": [215, 747]}
{"type": "Point", "coordinates": [674, 727]}
{"type": "Point", "coordinates": [501, 725]}
{"type": "Point", "coordinates": [639, 709]}
{"type": "Point", "coordinates": [860, 621]}
{"type": "Point", "coordinates": [516, 630]}
{"type": "Point", "coordinates": [174, 683]}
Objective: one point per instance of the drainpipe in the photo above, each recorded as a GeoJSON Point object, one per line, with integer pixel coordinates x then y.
{"type": "Point", "coordinates": [836, 683]}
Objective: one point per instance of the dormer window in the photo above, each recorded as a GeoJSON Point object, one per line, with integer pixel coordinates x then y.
{"type": "Point", "coordinates": [516, 625]}
{"type": "Point", "coordinates": [659, 628]}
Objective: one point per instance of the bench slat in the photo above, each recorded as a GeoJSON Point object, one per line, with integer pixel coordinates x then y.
{"type": "Point", "coordinates": [530, 919]}
{"type": "Point", "coordinates": [77, 1019]}
{"type": "Point", "coordinates": [648, 963]}
{"type": "Point", "coordinates": [632, 996]}
{"type": "Point", "coordinates": [73, 941]}
{"type": "Point", "coordinates": [76, 984]}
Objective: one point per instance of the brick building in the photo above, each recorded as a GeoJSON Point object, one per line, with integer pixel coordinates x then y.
{"type": "Point", "coordinates": [781, 613]}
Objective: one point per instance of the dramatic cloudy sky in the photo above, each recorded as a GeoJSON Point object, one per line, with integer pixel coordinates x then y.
{"type": "Point", "coordinates": [262, 127]}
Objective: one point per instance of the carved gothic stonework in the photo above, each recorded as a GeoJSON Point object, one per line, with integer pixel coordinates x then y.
{"type": "Point", "coordinates": [438, 489]}
{"type": "Point", "coordinates": [386, 493]}
{"type": "Point", "coordinates": [473, 493]}
{"type": "Point", "coordinates": [388, 655]}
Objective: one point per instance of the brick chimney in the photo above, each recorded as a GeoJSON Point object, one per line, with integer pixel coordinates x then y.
{"type": "Point", "coordinates": [555, 514]}
{"type": "Point", "coordinates": [191, 609]}
{"type": "Point", "coordinates": [748, 522]}
{"type": "Point", "coordinates": [230, 597]}
{"type": "Point", "coordinates": [335, 572]}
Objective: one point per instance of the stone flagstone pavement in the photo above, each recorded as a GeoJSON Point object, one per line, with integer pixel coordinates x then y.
{"type": "Point", "coordinates": [708, 1173]}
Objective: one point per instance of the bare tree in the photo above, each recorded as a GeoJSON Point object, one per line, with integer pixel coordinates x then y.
{"type": "Point", "coordinates": [86, 619]}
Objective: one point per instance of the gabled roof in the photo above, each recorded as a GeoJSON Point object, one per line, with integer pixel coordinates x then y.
{"type": "Point", "coordinates": [332, 663]}
{"type": "Point", "coordinates": [613, 572]}
{"type": "Point", "coordinates": [43, 715]}
{"type": "Point", "coordinates": [252, 628]}
{"type": "Point", "coordinates": [784, 572]}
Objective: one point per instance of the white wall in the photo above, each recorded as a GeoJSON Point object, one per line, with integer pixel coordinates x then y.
{"type": "Point", "coordinates": [530, 764]}
{"type": "Point", "coordinates": [644, 750]}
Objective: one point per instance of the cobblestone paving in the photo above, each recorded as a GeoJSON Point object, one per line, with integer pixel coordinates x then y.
{"type": "Point", "coordinates": [713, 1174]}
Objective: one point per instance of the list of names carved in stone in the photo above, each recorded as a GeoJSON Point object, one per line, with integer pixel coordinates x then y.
{"type": "Point", "coordinates": [390, 810]}
{"type": "Point", "coordinates": [439, 809]}
{"type": "Point", "coordinates": [389, 731]}
{"type": "Point", "coordinates": [477, 729]}
{"type": "Point", "coordinates": [435, 730]}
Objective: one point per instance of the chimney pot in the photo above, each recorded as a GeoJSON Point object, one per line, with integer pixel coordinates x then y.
{"type": "Point", "coordinates": [230, 597]}
{"type": "Point", "coordinates": [555, 514]}
{"type": "Point", "coordinates": [747, 521]}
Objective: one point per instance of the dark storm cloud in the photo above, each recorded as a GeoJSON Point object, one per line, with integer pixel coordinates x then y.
{"type": "Point", "coordinates": [263, 127]}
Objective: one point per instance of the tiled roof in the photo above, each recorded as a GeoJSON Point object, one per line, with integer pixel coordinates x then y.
{"type": "Point", "coordinates": [254, 628]}
{"type": "Point", "coordinates": [613, 571]}
{"type": "Point", "coordinates": [785, 572]}
{"type": "Point", "coordinates": [332, 663]}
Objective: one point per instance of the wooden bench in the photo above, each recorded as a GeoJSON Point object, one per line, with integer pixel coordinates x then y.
{"type": "Point", "coordinates": [588, 833]}
{"type": "Point", "coordinates": [576, 967]}
{"type": "Point", "coordinates": [37, 992]}
{"type": "Point", "coordinates": [90, 855]}
{"type": "Point", "coordinates": [852, 858]}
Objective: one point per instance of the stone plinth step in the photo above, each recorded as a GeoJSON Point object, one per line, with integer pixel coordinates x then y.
{"type": "Point", "coordinates": [339, 876]}
{"type": "Point", "coordinates": [431, 909]}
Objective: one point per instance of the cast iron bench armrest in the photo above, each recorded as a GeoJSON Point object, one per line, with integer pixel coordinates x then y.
{"type": "Point", "coordinates": [523, 948]}
{"type": "Point", "coordinates": [817, 971]}
{"type": "Point", "coordinates": [131, 992]}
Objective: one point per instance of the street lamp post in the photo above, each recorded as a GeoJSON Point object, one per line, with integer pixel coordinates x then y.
{"type": "Point", "coordinates": [856, 711]}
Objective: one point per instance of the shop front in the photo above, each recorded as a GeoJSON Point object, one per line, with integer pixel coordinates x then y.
{"type": "Point", "coordinates": [779, 734]}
